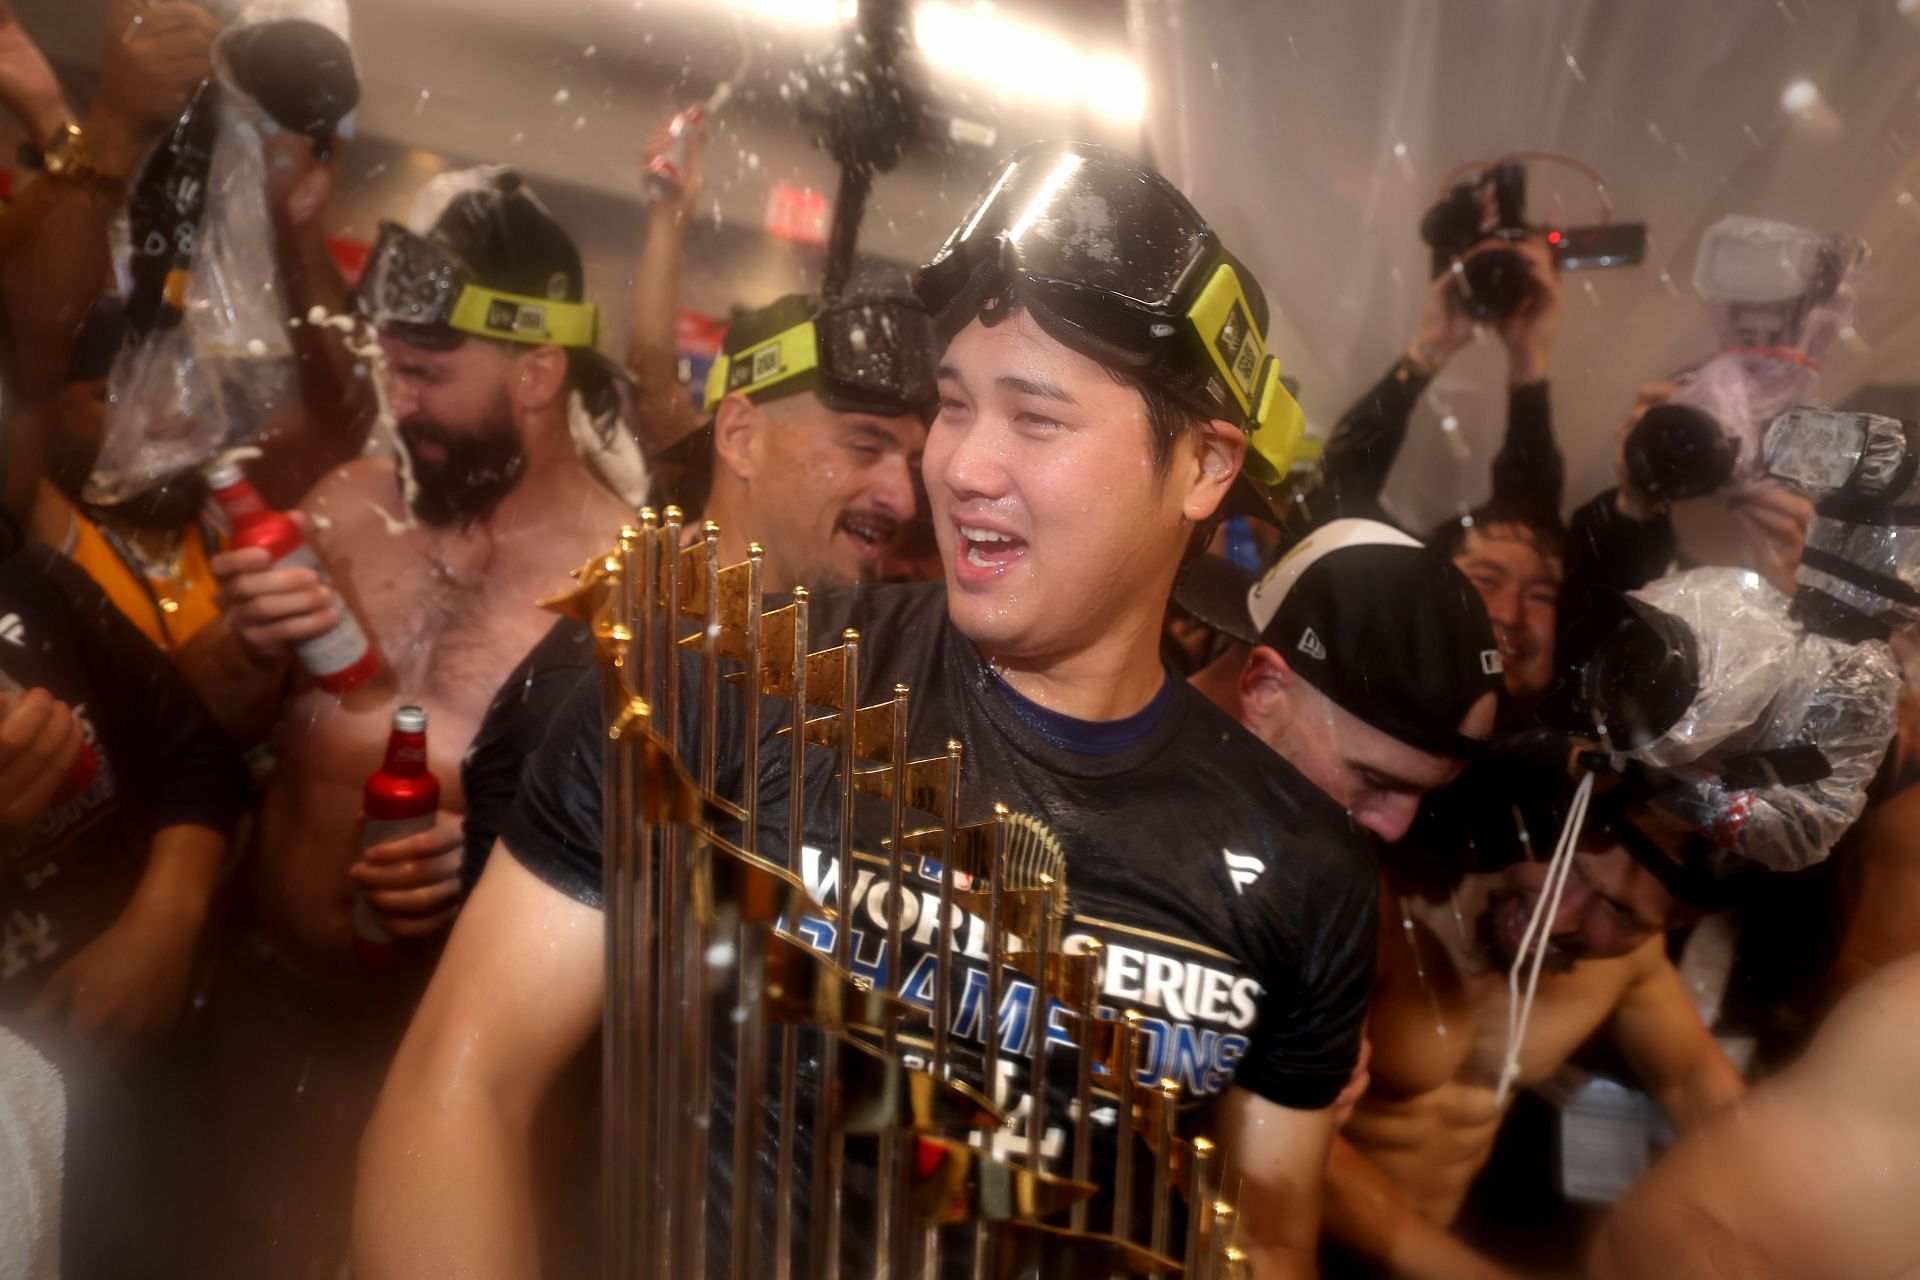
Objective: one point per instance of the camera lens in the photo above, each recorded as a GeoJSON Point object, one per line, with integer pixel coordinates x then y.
{"type": "Point", "coordinates": [1677, 451]}
{"type": "Point", "coordinates": [1495, 284]}
{"type": "Point", "coordinates": [1631, 670]}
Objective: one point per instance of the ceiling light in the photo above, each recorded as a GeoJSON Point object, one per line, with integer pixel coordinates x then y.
{"type": "Point", "coordinates": [977, 42]}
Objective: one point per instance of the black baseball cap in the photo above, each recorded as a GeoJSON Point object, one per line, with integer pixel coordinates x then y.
{"type": "Point", "coordinates": [1387, 629]}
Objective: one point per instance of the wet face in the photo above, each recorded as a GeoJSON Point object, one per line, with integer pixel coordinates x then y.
{"type": "Point", "coordinates": [1520, 586]}
{"type": "Point", "coordinates": [1610, 906]}
{"type": "Point", "coordinates": [833, 492]}
{"type": "Point", "coordinates": [1054, 524]}
{"type": "Point", "coordinates": [454, 416]}
{"type": "Point", "coordinates": [1376, 778]}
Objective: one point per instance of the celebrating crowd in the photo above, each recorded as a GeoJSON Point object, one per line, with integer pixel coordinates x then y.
{"type": "Point", "coordinates": [1409, 830]}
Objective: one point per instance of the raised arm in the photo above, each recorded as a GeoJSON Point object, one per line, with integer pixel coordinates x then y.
{"type": "Point", "coordinates": [663, 412]}
{"type": "Point", "coordinates": [445, 1185]}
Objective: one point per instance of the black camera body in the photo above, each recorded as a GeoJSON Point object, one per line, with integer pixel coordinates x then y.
{"type": "Point", "coordinates": [1490, 208]}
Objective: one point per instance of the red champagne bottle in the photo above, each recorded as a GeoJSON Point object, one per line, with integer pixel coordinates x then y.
{"type": "Point", "coordinates": [339, 660]}
{"type": "Point", "coordinates": [667, 172]}
{"type": "Point", "coordinates": [80, 773]}
{"type": "Point", "coordinates": [401, 799]}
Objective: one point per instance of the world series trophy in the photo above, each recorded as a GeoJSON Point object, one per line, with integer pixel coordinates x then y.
{"type": "Point", "coordinates": [706, 950]}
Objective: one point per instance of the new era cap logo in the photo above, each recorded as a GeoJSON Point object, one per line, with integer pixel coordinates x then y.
{"type": "Point", "coordinates": [1243, 869]}
{"type": "Point", "coordinates": [12, 632]}
{"type": "Point", "coordinates": [1490, 662]}
{"type": "Point", "coordinates": [1311, 646]}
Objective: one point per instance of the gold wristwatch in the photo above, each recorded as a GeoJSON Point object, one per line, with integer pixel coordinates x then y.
{"type": "Point", "coordinates": [66, 160]}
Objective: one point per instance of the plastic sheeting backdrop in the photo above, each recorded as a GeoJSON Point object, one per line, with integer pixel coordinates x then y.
{"type": "Point", "coordinates": [1315, 134]}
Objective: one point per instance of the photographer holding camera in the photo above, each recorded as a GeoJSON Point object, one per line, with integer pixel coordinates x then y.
{"type": "Point", "coordinates": [1777, 297]}
{"type": "Point", "coordinates": [1528, 470]}
{"type": "Point", "coordinates": [1511, 546]}
{"type": "Point", "coordinates": [1624, 537]}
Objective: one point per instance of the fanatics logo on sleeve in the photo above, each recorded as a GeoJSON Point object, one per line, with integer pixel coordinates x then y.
{"type": "Point", "coordinates": [1242, 868]}
{"type": "Point", "coordinates": [1311, 646]}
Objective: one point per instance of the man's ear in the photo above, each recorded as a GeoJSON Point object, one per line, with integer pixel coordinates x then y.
{"type": "Point", "coordinates": [1219, 449]}
{"type": "Point", "coordinates": [736, 424]}
{"type": "Point", "coordinates": [539, 379]}
{"type": "Point", "coordinates": [1265, 679]}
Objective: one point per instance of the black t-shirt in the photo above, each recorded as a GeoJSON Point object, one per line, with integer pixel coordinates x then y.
{"type": "Point", "coordinates": [162, 762]}
{"type": "Point", "coordinates": [1235, 900]}
{"type": "Point", "coordinates": [517, 720]}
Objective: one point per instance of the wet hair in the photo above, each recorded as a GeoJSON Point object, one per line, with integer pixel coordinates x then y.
{"type": "Point", "coordinates": [599, 391]}
{"type": "Point", "coordinates": [1538, 528]}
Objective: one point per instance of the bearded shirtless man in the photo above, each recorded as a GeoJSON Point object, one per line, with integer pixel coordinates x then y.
{"type": "Point", "coordinates": [441, 556]}
{"type": "Point", "coordinates": [444, 578]}
{"type": "Point", "coordinates": [1403, 1165]}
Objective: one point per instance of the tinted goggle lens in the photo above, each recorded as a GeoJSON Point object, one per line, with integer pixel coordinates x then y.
{"type": "Point", "coordinates": [879, 351]}
{"type": "Point", "coordinates": [1077, 220]}
{"type": "Point", "coordinates": [409, 280]}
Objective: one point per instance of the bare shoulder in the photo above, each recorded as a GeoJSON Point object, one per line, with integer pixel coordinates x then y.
{"type": "Point", "coordinates": [362, 478]}
{"type": "Point", "coordinates": [1873, 1036]}
{"type": "Point", "coordinates": [355, 497]}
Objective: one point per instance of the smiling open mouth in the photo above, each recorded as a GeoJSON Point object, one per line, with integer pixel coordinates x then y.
{"type": "Point", "coordinates": [869, 531]}
{"type": "Point", "coordinates": [989, 548]}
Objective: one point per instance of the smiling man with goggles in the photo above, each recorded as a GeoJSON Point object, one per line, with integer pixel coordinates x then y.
{"type": "Point", "coordinates": [1113, 261]}
{"type": "Point", "coordinates": [420, 289]}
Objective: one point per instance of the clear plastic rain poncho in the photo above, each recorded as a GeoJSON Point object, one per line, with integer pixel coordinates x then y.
{"type": "Point", "coordinates": [1766, 683]}
{"type": "Point", "coordinates": [1777, 296]}
{"type": "Point", "coordinates": [208, 358]}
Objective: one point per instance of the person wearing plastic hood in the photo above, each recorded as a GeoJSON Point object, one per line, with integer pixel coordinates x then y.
{"type": "Point", "coordinates": [1453, 1030]}
{"type": "Point", "coordinates": [441, 553]}
{"type": "Point", "coordinates": [1777, 297]}
{"type": "Point", "coordinates": [1750, 721]}
{"type": "Point", "coordinates": [1363, 659]}
{"type": "Point", "coordinates": [1104, 371]}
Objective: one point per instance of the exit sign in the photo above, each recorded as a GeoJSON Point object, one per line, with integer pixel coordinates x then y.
{"type": "Point", "coordinates": [794, 213]}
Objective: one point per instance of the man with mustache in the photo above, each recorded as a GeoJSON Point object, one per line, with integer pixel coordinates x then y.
{"type": "Point", "coordinates": [441, 554]}
{"type": "Point", "coordinates": [812, 451]}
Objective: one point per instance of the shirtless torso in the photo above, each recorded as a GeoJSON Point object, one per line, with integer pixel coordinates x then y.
{"type": "Point", "coordinates": [1438, 1027]}
{"type": "Point", "coordinates": [1813, 1176]}
{"type": "Point", "coordinates": [450, 611]}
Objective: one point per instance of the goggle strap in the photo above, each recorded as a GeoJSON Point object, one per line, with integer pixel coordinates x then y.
{"type": "Point", "coordinates": [1224, 322]}
{"type": "Point", "coordinates": [1277, 434]}
{"type": "Point", "coordinates": [789, 354]}
{"type": "Point", "coordinates": [513, 317]}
